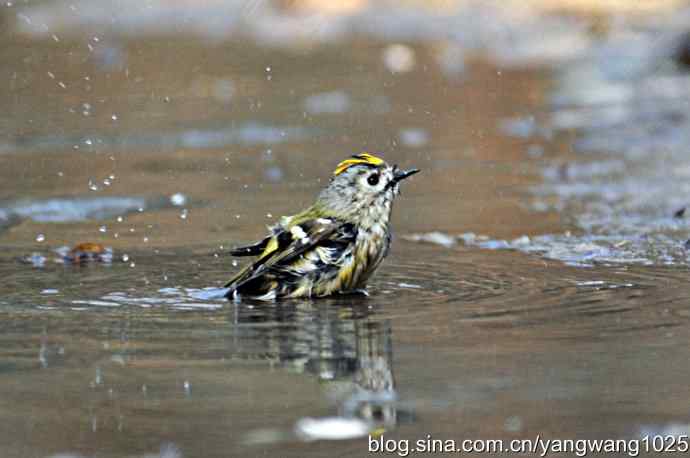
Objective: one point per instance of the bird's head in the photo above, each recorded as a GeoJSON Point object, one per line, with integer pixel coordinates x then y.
{"type": "Point", "coordinates": [363, 186]}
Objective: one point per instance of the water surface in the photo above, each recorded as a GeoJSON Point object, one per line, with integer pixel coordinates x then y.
{"type": "Point", "coordinates": [171, 150]}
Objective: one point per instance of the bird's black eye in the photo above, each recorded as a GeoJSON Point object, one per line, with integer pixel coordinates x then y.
{"type": "Point", "coordinates": [373, 179]}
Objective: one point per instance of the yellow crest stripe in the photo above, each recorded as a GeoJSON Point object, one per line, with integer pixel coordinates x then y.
{"type": "Point", "coordinates": [364, 159]}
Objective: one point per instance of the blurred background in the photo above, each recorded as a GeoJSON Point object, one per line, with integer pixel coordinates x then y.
{"type": "Point", "coordinates": [537, 281]}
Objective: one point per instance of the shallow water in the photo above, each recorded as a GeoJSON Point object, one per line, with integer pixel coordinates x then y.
{"type": "Point", "coordinates": [169, 151]}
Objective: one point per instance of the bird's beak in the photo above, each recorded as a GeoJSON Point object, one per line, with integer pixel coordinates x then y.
{"type": "Point", "coordinates": [400, 175]}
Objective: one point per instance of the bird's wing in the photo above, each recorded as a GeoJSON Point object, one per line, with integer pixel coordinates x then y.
{"type": "Point", "coordinates": [252, 250]}
{"type": "Point", "coordinates": [296, 251]}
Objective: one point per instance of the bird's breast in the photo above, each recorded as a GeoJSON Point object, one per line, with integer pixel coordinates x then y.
{"type": "Point", "coordinates": [370, 249]}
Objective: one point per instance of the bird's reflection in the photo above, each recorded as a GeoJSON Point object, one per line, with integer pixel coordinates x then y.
{"type": "Point", "coordinates": [340, 341]}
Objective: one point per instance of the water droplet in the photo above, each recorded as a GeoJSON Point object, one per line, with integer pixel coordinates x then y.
{"type": "Point", "coordinates": [60, 174]}
{"type": "Point", "coordinates": [184, 213]}
{"type": "Point", "coordinates": [88, 141]}
{"type": "Point", "coordinates": [93, 186]}
{"type": "Point", "coordinates": [40, 238]}
{"type": "Point", "coordinates": [102, 229]}
{"type": "Point", "coordinates": [269, 215]}
{"type": "Point", "coordinates": [132, 265]}
{"type": "Point", "coordinates": [107, 182]}
{"type": "Point", "coordinates": [114, 117]}
{"type": "Point", "coordinates": [146, 240]}
{"type": "Point", "coordinates": [178, 199]}
{"type": "Point", "coordinates": [62, 85]}
{"type": "Point", "coordinates": [235, 263]}
{"type": "Point", "coordinates": [125, 257]}
{"type": "Point", "coordinates": [120, 219]}
{"type": "Point", "coordinates": [399, 58]}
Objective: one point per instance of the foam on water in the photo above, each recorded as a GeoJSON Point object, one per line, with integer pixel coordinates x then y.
{"type": "Point", "coordinates": [578, 250]}
{"type": "Point", "coordinates": [627, 102]}
{"type": "Point", "coordinates": [173, 297]}
{"type": "Point", "coordinates": [72, 209]}
{"type": "Point", "coordinates": [247, 134]}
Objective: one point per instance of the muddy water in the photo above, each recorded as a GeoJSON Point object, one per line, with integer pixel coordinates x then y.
{"type": "Point", "coordinates": [170, 151]}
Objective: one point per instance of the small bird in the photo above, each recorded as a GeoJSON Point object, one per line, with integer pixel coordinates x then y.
{"type": "Point", "coordinates": [334, 246]}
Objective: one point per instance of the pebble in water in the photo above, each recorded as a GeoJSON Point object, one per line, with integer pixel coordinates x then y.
{"type": "Point", "coordinates": [682, 52]}
{"type": "Point", "coordinates": [86, 252]}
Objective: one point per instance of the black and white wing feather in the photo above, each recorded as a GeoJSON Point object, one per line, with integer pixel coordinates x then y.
{"type": "Point", "coordinates": [293, 259]}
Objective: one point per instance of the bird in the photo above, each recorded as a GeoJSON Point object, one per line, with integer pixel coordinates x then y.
{"type": "Point", "coordinates": [332, 247]}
